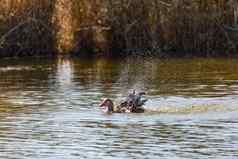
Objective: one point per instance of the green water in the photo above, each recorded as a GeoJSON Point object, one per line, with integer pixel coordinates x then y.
{"type": "Point", "coordinates": [49, 109]}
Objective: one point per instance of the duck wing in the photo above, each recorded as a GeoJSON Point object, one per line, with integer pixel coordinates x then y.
{"type": "Point", "coordinates": [141, 102]}
{"type": "Point", "coordinates": [138, 99]}
{"type": "Point", "coordinates": [129, 100]}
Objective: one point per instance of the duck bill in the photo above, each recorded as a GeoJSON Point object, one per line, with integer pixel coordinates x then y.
{"type": "Point", "coordinates": [102, 104]}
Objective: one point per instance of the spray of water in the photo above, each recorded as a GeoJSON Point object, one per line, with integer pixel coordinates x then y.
{"type": "Point", "coordinates": [189, 106]}
{"type": "Point", "coordinates": [133, 78]}
{"type": "Point", "coordinates": [186, 110]}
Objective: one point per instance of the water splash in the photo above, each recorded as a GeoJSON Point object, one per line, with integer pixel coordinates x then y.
{"type": "Point", "coordinates": [133, 77]}
{"type": "Point", "coordinates": [181, 105]}
{"type": "Point", "coordinates": [188, 109]}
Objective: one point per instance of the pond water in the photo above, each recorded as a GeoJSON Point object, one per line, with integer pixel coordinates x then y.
{"type": "Point", "coordinates": [49, 109]}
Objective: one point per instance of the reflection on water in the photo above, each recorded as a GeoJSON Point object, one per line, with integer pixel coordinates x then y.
{"type": "Point", "coordinates": [49, 108]}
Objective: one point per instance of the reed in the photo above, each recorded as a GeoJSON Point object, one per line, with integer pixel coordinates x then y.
{"type": "Point", "coordinates": [26, 28]}
{"type": "Point", "coordinates": [112, 27]}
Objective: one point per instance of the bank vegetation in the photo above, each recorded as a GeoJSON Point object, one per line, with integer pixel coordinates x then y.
{"type": "Point", "coordinates": [119, 27]}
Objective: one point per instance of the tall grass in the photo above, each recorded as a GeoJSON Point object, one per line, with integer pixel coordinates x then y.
{"type": "Point", "coordinates": [26, 28]}
{"type": "Point", "coordinates": [111, 27]}
{"type": "Point", "coordinates": [180, 27]}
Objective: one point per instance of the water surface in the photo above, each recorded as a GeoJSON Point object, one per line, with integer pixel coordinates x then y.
{"type": "Point", "coordinates": [49, 109]}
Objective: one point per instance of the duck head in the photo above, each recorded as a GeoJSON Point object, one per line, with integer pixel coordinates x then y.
{"type": "Point", "coordinates": [107, 105]}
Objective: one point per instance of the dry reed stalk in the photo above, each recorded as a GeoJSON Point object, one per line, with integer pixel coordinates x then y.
{"type": "Point", "coordinates": [180, 27]}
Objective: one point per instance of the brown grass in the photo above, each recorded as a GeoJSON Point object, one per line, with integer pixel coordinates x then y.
{"type": "Point", "coordinates": [160, 27]}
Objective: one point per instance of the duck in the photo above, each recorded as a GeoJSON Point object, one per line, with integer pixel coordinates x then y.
{"type": "Point", "coordinates": [132, 104]}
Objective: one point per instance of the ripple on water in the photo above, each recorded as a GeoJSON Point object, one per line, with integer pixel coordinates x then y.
{"type": "Point", "coordinates": [49, 109]}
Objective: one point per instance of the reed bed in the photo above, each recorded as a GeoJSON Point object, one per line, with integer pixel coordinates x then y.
{"type": "Point", "coordinates": [119, 27]}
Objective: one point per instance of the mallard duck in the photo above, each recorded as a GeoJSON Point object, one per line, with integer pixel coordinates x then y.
{"type": "Point", "coordinates": [132, 104]}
